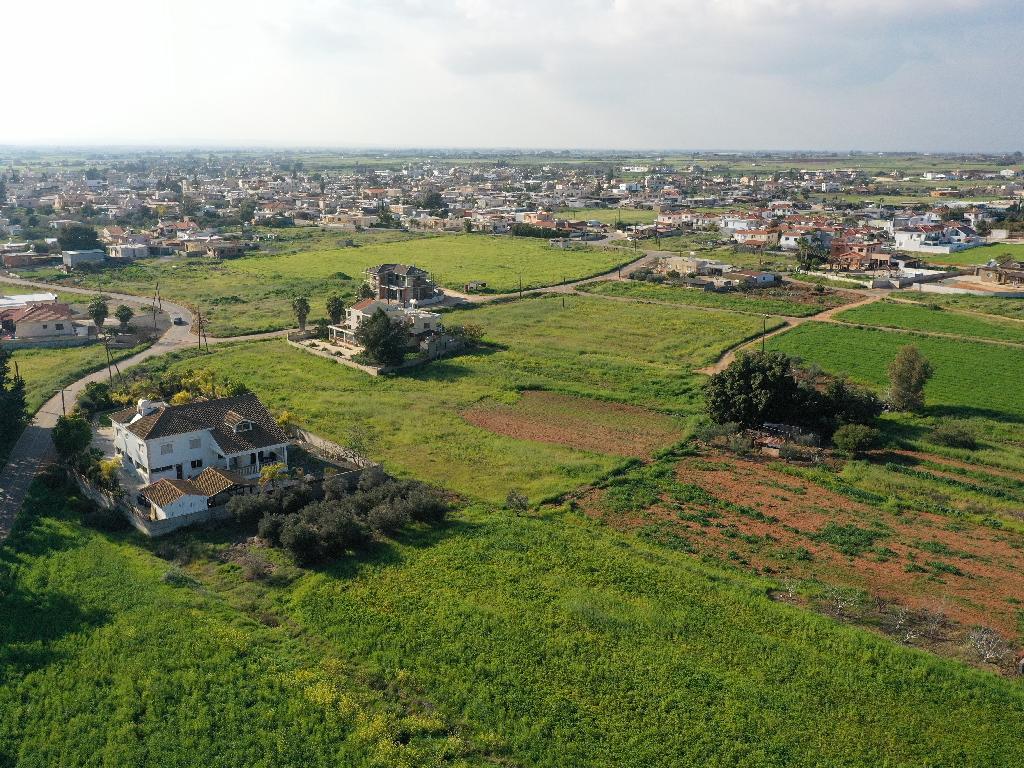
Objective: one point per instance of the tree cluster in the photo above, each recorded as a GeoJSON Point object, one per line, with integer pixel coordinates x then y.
{"type": "Point", "coordinates": [385, 342]}
{"type": "Point", "coordinates": [78, 237]}
{"type": "Point", "coordinates": [316, 526]}
{"type": "Point", "coordinates": [768, 387]}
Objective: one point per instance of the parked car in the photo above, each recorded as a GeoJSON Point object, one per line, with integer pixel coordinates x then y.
{"type": "Point", "coordinates": [179, 321]}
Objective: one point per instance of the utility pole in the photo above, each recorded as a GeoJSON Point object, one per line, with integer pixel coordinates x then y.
{"type": "Point", "coordinates": [199, 327]}
{"type": "Point", "coordinates": [63, 408]}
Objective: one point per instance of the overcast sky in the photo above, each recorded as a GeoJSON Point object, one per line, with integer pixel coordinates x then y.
{"type": "Point", "coordinates": [740, 74]}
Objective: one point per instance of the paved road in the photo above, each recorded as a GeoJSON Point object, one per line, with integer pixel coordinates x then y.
{"type": "Point", "coordinates": [34, 448]}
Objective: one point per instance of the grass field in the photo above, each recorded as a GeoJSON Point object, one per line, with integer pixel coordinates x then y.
{"type": "Point", "coordinates": [254, 293]}
{"type": "Point", "coordinates": [542, 641]}
{"type": "Point", "coordinates": [973, 382]}
{"type": "Point", "coordinates": [47, 370]}
{"type": "Point", "coordinates": [788, 301]}
{"type": "Point", "coordinates": [990, 305]}
{"type": "Point", "coordinates": [593, 348]}
{"type": "Point", "coordinates": [892, 314]}
{"type": "Point", "coordinates": [609, 215]}
{"type": "Point", "coordinates": [110, 655]}
{"type": "Point", "coordinates": [980, 255]}
{"type": "Point", "coordinates": [967, 375]}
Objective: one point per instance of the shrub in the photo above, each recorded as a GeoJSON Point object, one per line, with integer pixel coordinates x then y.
{"type": "Point", "coordinates": [740, 444]}
{"type": "Point", "coordinates": [270, 526]}
{"type": "Point", "coordinates": [517, 502]}
{"type": "Point", "coordinates": [854, 439]}
{"type": "Point", "coordinates": [247, 509]}
{"type": "Point", "coordinates": [388, 518]}
{"type": "Point", "coordinates": [300, 538]}
{"type": "Point", "coordinates": [955, 434]}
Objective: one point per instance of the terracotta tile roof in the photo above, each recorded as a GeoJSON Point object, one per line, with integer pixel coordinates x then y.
{"type": "Point", "coordinates": [212, 415]}
{"type": "Point", "coordinates": [164, 492]}
{"type": "Point", "coordinates": [214, 480]}
{"type": "Point", "coordinates": [40, 313]}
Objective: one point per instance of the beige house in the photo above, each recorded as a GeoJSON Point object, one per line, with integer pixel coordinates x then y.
{"type": "Point", "coordinates": [38, 321]}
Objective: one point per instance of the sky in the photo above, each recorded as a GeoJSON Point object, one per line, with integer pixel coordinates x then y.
{"type": "Point", "coordinates": [929, 75]}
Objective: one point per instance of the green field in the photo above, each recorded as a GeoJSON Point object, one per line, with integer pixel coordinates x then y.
{"type": "Point", "coordinates": [499, 639]}
{"type": "Point", "coordinates": [980, 255]}
{"type": "Point", "coordinates": [972, 375]}
{"type": "Point", "coordinates": [991, 305]}
{"type": "Point", "coordinates": [609, 215]}
{"type": "Point", "coordinates": [641, 354]}
{"type": "Point", "coordinates": [893, 314]}
{"type": "Point", "coordinates": [47, 370]}
{"type": "Point", "coordinates": [254, 293]}
{"type": "Point", "coordinates": [770, 301]}
{"type": "Point", "coordinates": [112, 656]}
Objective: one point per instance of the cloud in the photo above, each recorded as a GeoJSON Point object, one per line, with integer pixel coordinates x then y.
{"type": "Point", "coordinates": [930, 74]}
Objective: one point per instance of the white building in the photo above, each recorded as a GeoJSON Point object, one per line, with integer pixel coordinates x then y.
{"type": "Point", "coordinates": [180, 441]}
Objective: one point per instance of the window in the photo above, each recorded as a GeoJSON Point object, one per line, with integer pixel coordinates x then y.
{"type": "Point", "coordinates": [166, 448]}
{"type": "Point", "coordinates": [195, 442]}
{"type": "Point", "coordinates": [243, 426]}
{"type": "Point", "coordinates": [197, 463]}
{"type": "Point", "coordinates": [59, 326]}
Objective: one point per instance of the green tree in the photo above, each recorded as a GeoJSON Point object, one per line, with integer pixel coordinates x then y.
{"type": "Point", "coordinates": [385, 342]}
{"type": "Point", "coordinates": [754, 389]}
{"type": "Point", "coordinates": [189, 206]}
{"type": "Point", "coordinates": [99, 311]}
{"type": "Point", "coordinates": [78, 237]}
{"type": "Point", "coordinates": [300, 306]}
{"type": "Point", "coordinates": [71, 437]}
{"type": "Point", "coordinates": [124, 315]}
{"type": "Point", "coordinates": [365, 291]}
{"type": "Point", "coordinates": [908, 373]}
{"type": "Point", "coordinates": [247, 210]}
{"type": "Point", "coordinates": [335, 308]}
{"type": "Point", "coordinates": [809, 255]}
{"type": "Point", "coordinates": [854, 439]}
{"type": "Point", "coordinates": [12, 398]}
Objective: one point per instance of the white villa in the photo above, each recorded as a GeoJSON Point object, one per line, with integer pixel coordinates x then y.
{"type": "Point", "coordinates": [419, 322]}
{"type": "Point", "coordinates": [180, 441]}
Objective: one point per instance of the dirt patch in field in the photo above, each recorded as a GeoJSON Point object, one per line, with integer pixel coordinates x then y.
{"type": "Point", "coordinates": [579, 422]}
{"type": "Point", "coordinates": [764, 520]}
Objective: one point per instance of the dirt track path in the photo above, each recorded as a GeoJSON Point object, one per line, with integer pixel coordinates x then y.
{"type": "Point", "coordinates": [788, 324]}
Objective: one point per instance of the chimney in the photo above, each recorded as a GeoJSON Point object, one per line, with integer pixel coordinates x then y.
{"type": "Point", "coordinates": [145, 407]}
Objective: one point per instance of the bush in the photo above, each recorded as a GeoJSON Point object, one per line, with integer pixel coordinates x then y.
{"type": "Point", "coordinates": [270, 526]}
{"type": "Point", "coordinates": [388, 518]}
{"type": "Point", "coordinates": [300, 538]}
{"type": "Point", "coordinates": [517, 502]}
{"type": "Point", "coordinates": [955, 434]}
{"type": "Point", "coordinates": [247, 509]}
{"type": "Point", "coordinates": [854, 439]}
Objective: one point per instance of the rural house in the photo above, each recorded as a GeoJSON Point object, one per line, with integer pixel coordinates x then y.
{"type": "Point", "coordinates": [403, 284]}
{"type": "Point", "coordinates": [179, 441]}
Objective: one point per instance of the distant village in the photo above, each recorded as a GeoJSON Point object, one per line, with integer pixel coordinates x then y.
{"type": "Point", "coordinates": [222, 208]}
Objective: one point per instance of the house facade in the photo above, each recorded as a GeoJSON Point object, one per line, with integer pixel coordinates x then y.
{"type": "Point", "coordinates": [418, 322]}
{"type": "Point", "coordinates": [403, 284]}
{"type": "Point", "coordinates": [178, 442]}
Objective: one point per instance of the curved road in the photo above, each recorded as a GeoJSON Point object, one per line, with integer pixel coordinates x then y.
{"type": "Point", "coordinates": [35, 448]}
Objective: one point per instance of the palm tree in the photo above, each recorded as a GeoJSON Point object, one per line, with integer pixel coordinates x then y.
{"type": "Point", "coordinates": [300, 306]}
{"type": "Point", "coordinates": [98, 311]}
